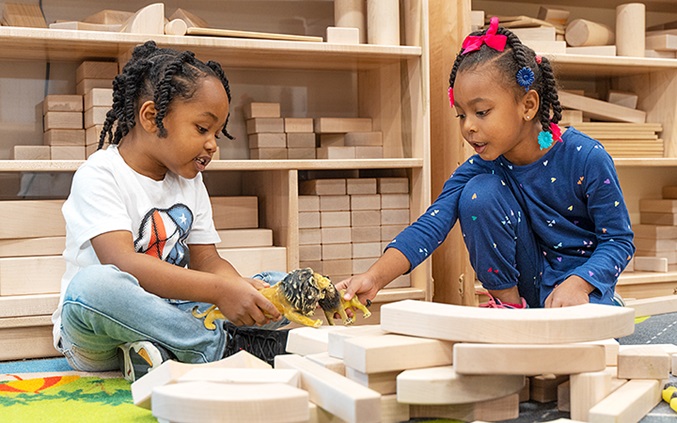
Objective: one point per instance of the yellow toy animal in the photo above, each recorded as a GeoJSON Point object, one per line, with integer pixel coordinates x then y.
{"type": "Point", "coordinates": [296, 297]}
{"type": "Point", "coordinates": [333, 303]}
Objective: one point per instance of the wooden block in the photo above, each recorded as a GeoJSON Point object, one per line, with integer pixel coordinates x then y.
{"type": "Point", "coordinates": [650, 264]}
{"type": "Point", "coordinates": [29, 221]}
{"type": "Point", "coordinates": [343, 35]}
{"type": "Point", "coordinates": [669, 192]}
{"type": "Point", "coordinates": [62, 103]}
{"type": "Point", "coordinates": [43, 272]}
{"type": "Point", "coordinates": [267, 140]}
{"type": "Point", "coordinates": [629, 403]}
{"type": "Point", "coordinates": [31, 152]}
{"type": "Point", "coordinates": [393, 185]}
{"type": "Point", "coordinates": [363, 250]}
{"type": "Point", "coordinates": [586, 390]}
{"type": "Point", "coordinates": [582, 32]}
{"type": "Point", "coordinates": [96, 70]}
{"type": "Point", "coordinates": [443, 385]}
{"type": "Point", "coordinates": [301, 140]}
{"type": "Point", "coordinates": [366, 201]}
{"type": "Point", "coordinates": [592, 50]}
{"type": "Point", "coordinates": [361, 186]}
{"type": "Point", "coordinates": [664, 42]}
{"type": "Point", "coordinates": [241, 238]}
{"type": "Point", "coordinates": [85, 26]}
{"type": "Point", "coordinates": [310, 236]}
{"type": "Point", "coordinates": [670, 256]}
{"type": "Point", "coordinates": [365, 234]}
{"type": "Point", "coordinates": [388, 232]}
{"type": "Point", "coordinates": [337, 267]}
{"type": "Point", "coordinates": [268, 125]}
{"type": "Point", "coordinates": [336, 339]}
{"type": "Point", "coordinates": [342, 125]}
{"type": "Point", "coordinates": [99, 97]}
{"type": "Point", "coordinates": [335, 153]}
{"type": "Point", "coordinates": [334, 219]}
{"type": "Point", "coordinates": [62, 120]}
{"type": "Point", "coordinates": [654, 245]}
{"type": "Point", "coordinates": [88, 84]}
{"type": "Point", "coordinates": [362, 265]}
{"type": "Point", "coordinates": [657, 206]}
{"type": "Point", "coordinates": [268, 153]}
{"type": "Point", "coordinates": [237, 212]}
{"type": "Point", "coordinates": [531, 360]}
{"type": "Point", "coordinates": [336, 394]}
{"type": "Point", "coordinates": [110, 17]}
{"type": "Point", "coordinates": [500, 409]}
{"type": "Point", "coordinates": [391, 352]}
{"type": "Point", "coordinates": [332, 140]}
{"type": "Point", "coordinates": [611, 347]}
{"type": "Point", "coordinates": [395, 201]}
{"type": "Point", "coordinates": [547, 47]}
{"type": "Point", "coordinates": [170, 371]}
{"type": "Point", "coordinates": [623, 98]}
{"type": "Point", "coordinates": [392, 411]}
{"type": "Point", "coordinates": [383, 22]}
{"type": "Point", "coordinates": [394, 216]}
{"type": "Point", "coordinates": [299, 125]}
{"type": "Point", "coordinates": [308, 220]}
{"type": "Point", "coordinates": [310, 253]}
{"type": "Point", "coordinates": [564, 397]}
{"type": "Point", "coordinates": [325, 360]}
{"type": "Point", "coordinates": [370, 139]}
{"type": "Point", "coordinates": [27, 342]}
{"type": "Point", "coordinates": [67, 152]}
{"type": "Point", "coordinates": [28, 305]}
{"type": "Point", "coordinates": [553, 15]}
{"type": "Point", "coordinates": [301, 153]}
{"type": "Point", "coordinates": [539, 33]}
{"type": "Point", "coordinates": [664, 54]}
{"type": "Point", "coordinates": [28, 15]}
{"type": "Point", "coordinates": [323, 187]}
{"type": "Point", "coordinates": [653, 306]}
{"type": "Point", "coordinates": [176, 27]}
{"type": "Point", "coordinates": [598, 109]}
{"type": "Point", "coordinates": [246, 376]}
{"type": "Point", "coordinates": [527, 326]}
{"type": "Point", "coordinates": [93, 134]}
{"type": "Point", "coordinates": [334, 203]}
{"type": "Point", "coordinates": [45, 246]}
{"type": "Point", "coordinates": [190, 18]}
{"type": "Point", "coordinates": [309, 203]}
{"type": "Point", "coordinates": [95, 116]}
{"type": "Point", "coordinates": [261, 110]}
{"type": "Point", "coordinates": [360, 218]}
{"type": "Point", "coordinates": [338, 235]}
{"type": "Point", "coordinates": [643, 362]}
{"type": "Point", "coordinates": [336, 252]}
{"type": "Point", "coordinates": [543, 388]}
{"type": "Point", "coordinates": [368, 152]}
{"type": "Point", "coordinates": [61, 137]}
{"type": "Point", "coordinates": [384, 383]}
{"type": "Point", "coordinates": [148, 20]}
{"type": "Point", "coordinates": [462, 412]}
{"type": "Point", "coordinates": [630, 29]}
{"type": "Point", "coordinates": [250, 261]}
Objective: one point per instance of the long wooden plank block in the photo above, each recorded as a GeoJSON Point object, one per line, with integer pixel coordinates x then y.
{"type": "Point", "coordinates": [336, 339]}
{"type": "Point", "coordinates": [250, 261]}
{"type": "Point", "coordinates": [210, 402]}
{"type": "Point", "coordinates": [31, 275]}
{"type": "Point", "coordinates": [27, 342]}
{"type": "Point", "coordinates": [530, 360]}
{"type": "Point", "coordinates": [231, 33]}
{"type": "Point", "coordinates": [587, 389]}
{"type": "Point", "coordinates": [601, 109]}
{"type": "Point", "coordinates": [653, 306]}
{"type": "Point", "coordinates": [588, 322]}
{"type": "Point", "coordinates": [244, 238]}
{"type": "Point", "coordinates": [376, 354]}
{"type": "Point", "coordinates": [28, 305]}
{"type": "Point", "coordinates": [307, 340]}
{"type": "Point", "coordinates": [337, 394]}
{"type": "Point", "coordinates": [242, 375]}
{"type": "Point", "coordinates": [629, 403]}
{"type": "Point", "coordinates": [45, 246]}
{"type": "Point", "coordinates": [237, 212]}
{"type": "Point", "coordinates": [28, 218]}
{"type": "Point", "coordinates": [443, 385]}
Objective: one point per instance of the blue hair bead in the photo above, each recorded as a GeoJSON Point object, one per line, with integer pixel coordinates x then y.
{"type": "Point", "coordinates": [525, 77]}
{"type": "Point", "coordinates": [545, 140]}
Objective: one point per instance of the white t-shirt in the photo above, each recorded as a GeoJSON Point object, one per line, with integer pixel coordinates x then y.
{"type": "Point", "coordinates": [108, 195]}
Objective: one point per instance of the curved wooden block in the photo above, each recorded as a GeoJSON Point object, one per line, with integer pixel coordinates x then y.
{"type": "Point", "coordinates": [587, 322]}
{"type": "Point", "coordinates": [442, 385]}
{"type": "Point", "coordinates": [207, 402]}
{"type": "Point", "coordinates": [148, 20]}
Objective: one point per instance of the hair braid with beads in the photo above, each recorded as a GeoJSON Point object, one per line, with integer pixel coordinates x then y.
{"type": "Point", "coordinates": [161, 75]}
{"type": "Point", "coordinates": [508, 62]}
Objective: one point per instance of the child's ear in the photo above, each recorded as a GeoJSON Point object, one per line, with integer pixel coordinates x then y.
{"type": "Point", "coordinates": [147, 113]}
{"type": "Point", "coordinates": [530, 103]}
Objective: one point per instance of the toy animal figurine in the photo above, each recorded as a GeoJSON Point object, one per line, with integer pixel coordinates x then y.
{"type": "Point", "coordinates": [333, 303]}
{"type": "Point", "coordinates": [296, 297]}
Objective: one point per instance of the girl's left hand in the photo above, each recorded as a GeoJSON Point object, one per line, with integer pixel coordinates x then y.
{"type": "Point", "coordinates": [573, 291]}
{"type": "Point", "coordinates": [257, 283]}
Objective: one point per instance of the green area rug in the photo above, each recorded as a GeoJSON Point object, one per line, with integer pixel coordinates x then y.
{"type": "Point", "coordinates": [69, 399]}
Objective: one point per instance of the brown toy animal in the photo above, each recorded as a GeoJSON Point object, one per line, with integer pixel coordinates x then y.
{"type": "Point", "coordinates": [296, 297]}
{"type": "Point", "coordinates": [333, 303]}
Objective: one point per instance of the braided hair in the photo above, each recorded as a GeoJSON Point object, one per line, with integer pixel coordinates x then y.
{"type": "Point", "coordinates": [161, 75]}
{"type": "Point", "coordinates": [508, 63]}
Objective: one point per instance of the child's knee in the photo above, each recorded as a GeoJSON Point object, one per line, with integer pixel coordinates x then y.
{"type": "Point", "coordinates": [481, 194]}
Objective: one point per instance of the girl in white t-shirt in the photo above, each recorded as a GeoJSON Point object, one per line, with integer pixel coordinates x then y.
{"type": "Point", "coordinates": [140, 243]}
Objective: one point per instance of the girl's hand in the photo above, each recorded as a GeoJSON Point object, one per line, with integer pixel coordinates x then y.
{"type": "Point", "coordinates": [573, 291]}
{"type": "Point", "coordinates": [362, 285]}
{"type": "Point", "coordinates": [243, 304]}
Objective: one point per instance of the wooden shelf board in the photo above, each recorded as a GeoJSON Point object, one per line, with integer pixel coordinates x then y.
{"type": "Point", "coordinates": [636, 278]}
{"type": "Point", "coordinates": [390, 295]}
{"type": "Point", "coordinates": [651, 5]}
{"type": "Point", "coordinates": [222, 165]}
{"type": "Point", "coordinates": [649, 162]}
{"type": "Point", "coordinates": [70, 45]}
{"type": "Point", "coordinates": [571, 65]}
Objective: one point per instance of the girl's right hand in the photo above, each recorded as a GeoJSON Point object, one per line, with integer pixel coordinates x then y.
{"type": "Point", "coordinates": [244, 305]}
{"type": "Point", "coordinates": [362, 285]}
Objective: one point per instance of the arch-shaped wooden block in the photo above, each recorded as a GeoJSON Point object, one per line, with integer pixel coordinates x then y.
{"type": "Point", "coordinates": [442, 385]}
{"type": "Point", "coordinates": [581, 323]}
{"type": "Point", "coordinates": [206, 402]}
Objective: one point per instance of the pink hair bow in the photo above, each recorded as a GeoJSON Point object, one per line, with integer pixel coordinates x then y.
{"type": "Point", "coordinates": [474, 42]}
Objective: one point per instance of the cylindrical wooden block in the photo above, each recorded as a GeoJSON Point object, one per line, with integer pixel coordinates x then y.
{"type": "Point", "coordinates": [383, 22]}
{"type": "Point", "coordinates": [176, 27]}
{"type": "Point", "coordinates": [630, 29]}
{"type": "Point", "coordinates": [412, 22]}
{"type": "Point", "coordinates": [582, 32]}
{"type": "Point", "coordinates": [350, 14]}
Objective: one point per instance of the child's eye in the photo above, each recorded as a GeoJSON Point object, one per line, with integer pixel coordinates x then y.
{"type": "Point", "coordinates": [460, 116]}
{"type": "Point", "coordinates": [482, 113]}
{"type": "Point", "coordinates": [201, 129]}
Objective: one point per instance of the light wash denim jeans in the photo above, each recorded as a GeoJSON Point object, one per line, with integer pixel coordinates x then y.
{"type": "Point", "coordinates": [105, 307]}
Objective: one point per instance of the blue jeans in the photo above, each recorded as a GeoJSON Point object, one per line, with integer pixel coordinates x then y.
{"type": "Point", "coordinates": [105, 307]}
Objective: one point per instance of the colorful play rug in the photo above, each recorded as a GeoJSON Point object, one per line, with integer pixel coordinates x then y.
{"type": "Point", "coordinates": [68, 399]}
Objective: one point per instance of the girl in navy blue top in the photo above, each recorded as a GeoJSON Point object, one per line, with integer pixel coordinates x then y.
{"type": "Point", "coordinates": [542, 213]}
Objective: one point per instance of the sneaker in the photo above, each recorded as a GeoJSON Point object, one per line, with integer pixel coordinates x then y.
{"type": "Point", "coordinates": [262, 343]}
{"type": "Point", "coordinates": [496, 303]}
{"type": "Point", "coordinates": [138, 358]}
{"type": "Point", "coordinates": [617, 300]}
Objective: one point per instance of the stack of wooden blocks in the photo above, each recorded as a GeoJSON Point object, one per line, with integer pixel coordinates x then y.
{"type": "Point", "coordinates": [95, 82]}
{"type": "Point", "coordinates": [656, 235]}
{"type": "Point", "coordinates": [348, 138]}
{"type": "Point", "coordinates": [273, 137]}
{"type": "Point", "coordinates": [344, 224]}
{"type": "Point", "coordinates": [434, 360]}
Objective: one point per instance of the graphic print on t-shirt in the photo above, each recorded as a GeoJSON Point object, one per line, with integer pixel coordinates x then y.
{"type": "Point", "coordinates": [163, 234]}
